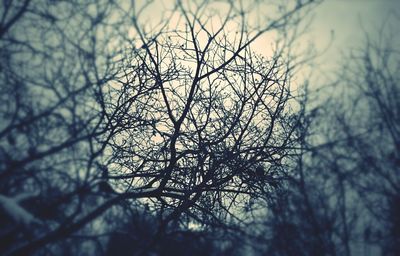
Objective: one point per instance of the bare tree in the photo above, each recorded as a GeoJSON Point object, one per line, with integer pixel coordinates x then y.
{"type": "Point", "coordinates": [355, 154]}
{"type": "Point", "coordinates": [54, 68]}
{"type": "Point", "coordinates": [102, 107]}
{"type": "Point", "coordinates": [373, 137]}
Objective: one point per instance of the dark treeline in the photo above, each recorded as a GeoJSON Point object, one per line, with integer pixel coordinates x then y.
{"type": "Point", "coordinates": [156, 128]}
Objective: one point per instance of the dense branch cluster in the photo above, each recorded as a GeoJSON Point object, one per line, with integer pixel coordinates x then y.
{"type": "Point", "coordinates": [178, 115]}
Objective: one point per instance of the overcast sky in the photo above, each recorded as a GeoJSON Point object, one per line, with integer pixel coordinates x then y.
{"type": "Point", "coordinates": [345, 18]}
